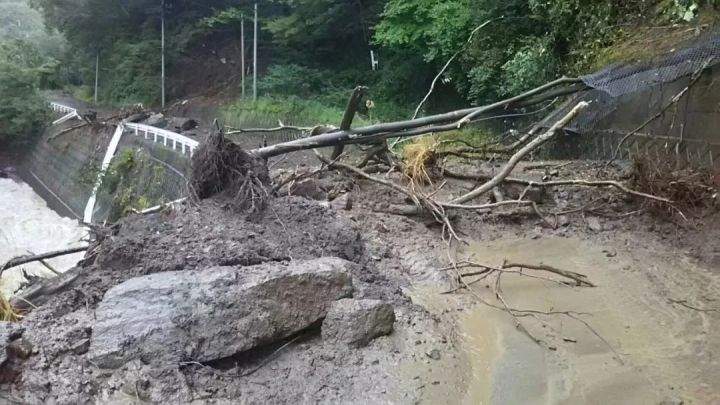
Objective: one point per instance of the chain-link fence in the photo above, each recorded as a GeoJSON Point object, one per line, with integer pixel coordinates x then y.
{"type": "Point", "coordinates": [665, 108]}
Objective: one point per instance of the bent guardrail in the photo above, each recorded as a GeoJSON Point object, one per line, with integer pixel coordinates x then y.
{"type": "Point", "coordinates": [173, 140]}
{"type": "Point", "coordinates": [69, 112]}
{"type": "Point", "coordinates": [158, 134]}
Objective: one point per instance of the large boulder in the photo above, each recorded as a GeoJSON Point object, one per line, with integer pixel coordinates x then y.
{"type": "Point", "coordinates": [357, 322]}
{"type": "Point", "coordinates": [180, 124]}
{"type": "Point", "coordinates": [212, 314]}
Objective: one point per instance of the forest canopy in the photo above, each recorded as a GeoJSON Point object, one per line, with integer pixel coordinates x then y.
{"type": "Point", "coordinates": [321, 48]}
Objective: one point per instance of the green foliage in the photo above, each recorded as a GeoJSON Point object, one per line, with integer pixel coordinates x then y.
{"type": "Point", "coordinates": [290, 110]}
{"type": "Point", "coordinates": [684, 10]}
{"type": "Point", "coordinates": [133, 74]}
{"type": "Point", "coordinates": [133, 182]}
{"type": "Point", "coordinates": [292, 80]}
{"type": "Point", "coordinates": [336, 29]}
{"type": "Point", "coordinates": [120, 169]}
{"type": "Point", "coordinates": [19, 22]}
{"type": "Point", "coordinates": [430, 27]}
{"type": "Point", "coordinates": [526, 43]}
{"type": "Point", "coordinates": [88, 173]}
{"type": "Point", "coordinates": [23, 112]}
{"type": "Point", "coordinates": [229, 17]}
{"type": "Point", "coordinates": [532, 65]}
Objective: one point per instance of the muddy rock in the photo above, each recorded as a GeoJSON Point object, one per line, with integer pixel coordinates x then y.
{"type": "Point", "coordinates": [170, 317]}
{"type": "Point", "coordinates": [357, 322]}
{"type": "Point", "coordinates": [309, 189]}
{"type": "Point", "coordinates": [9, 331]}
{"type": "Point", "coordinates": [182, 124]}
{"type": "Point", "coordinates": [342, 203]}
{"type": "Point", "coordinates": [138, 117]}
{"type": "Point", "coordinates": [156, 120]}
{"type": "Point", "coordinates": [594, 224]}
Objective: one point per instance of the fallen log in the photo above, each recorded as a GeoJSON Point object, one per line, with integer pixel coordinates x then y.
{"type": "Point", "coordinates": [19, 261]}
{"type": "Point", "coordinates": [435, 123]}
{"type": "Point", "coordinates": [515, 159]}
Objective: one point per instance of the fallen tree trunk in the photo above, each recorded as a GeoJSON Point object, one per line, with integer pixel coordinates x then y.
{"type": "Point", "coordinates": [435, 123]}
{"type": "Point", "coordinates": [352, 107]}
{"type": "Point", "coordinates": [18, 261]}
{"type": "Point", "coordinates": [515, 159]}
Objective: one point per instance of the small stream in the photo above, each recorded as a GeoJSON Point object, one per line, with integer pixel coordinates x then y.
{"type": "Point", "coordinates": [27, 225]}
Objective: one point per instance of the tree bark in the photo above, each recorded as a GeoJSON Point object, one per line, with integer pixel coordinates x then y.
{"type": "Point", "coordinates": [352, 106]}
{"type": "Point", "coordinates": [18, 261]}
{"type": "Point", "coordinates": [434, 123]}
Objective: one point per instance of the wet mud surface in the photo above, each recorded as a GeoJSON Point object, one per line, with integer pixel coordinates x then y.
{"type": "Point", "coordinates": [643, 347]}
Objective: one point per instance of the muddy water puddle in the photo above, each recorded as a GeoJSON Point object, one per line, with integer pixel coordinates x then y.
{"type": "Point", "coordinates": [637, 347]}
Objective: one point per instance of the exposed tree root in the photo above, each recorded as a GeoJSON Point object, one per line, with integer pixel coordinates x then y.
{"type": "Point", "coordinates": [220, 167]}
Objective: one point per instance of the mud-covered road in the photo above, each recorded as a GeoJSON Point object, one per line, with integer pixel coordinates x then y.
{"type": "Point", "coordinates": [644, 334]}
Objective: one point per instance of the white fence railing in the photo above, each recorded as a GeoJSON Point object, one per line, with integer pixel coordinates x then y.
{"type": "Point", "coordinates": [168, 138]}
{"type": "Point", "coordinates": [69, 112]}
{"type": "Point", "coordinates": [62, 108]}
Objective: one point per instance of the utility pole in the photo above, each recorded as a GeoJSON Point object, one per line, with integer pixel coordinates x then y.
{"type": "Point", "coordinates": [162, 56]}
{"type": "Point", "coordinates": [255, 45]}
{"type": "Point", "coordinates": [242, 53]}
{"type": "Point", "coordinates": [97, 73]}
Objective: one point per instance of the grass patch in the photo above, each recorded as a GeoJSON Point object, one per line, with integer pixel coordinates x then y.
{"type": "Point", "coordinates": [7, 312]}
{"type": "Point", "coordinates": [265, 112]}
{"type": "Point", "coordinates": [420, 154]}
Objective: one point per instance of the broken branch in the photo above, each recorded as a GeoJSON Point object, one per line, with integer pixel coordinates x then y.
{"type": "Point", "coordinates": [19, 261]}
{"type": "Point", "coordinates": [515, 159]}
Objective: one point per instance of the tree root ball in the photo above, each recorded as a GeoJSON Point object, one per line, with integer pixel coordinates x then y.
{"type": "Point", "coordinates": [223, 170]}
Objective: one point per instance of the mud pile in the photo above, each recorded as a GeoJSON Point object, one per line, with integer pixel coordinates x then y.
{"type": "Point", "coordinates": [52, 361]}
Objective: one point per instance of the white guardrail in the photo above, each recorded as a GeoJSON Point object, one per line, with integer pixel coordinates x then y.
{"type": "Point", "coordinates": [168, 139]}
{"type": "Point", "coordinates": [186, 144]}
{"type": "Point", "coordinates": [62, 108]}
{"type": "Point", "coordinates": [69, 112]}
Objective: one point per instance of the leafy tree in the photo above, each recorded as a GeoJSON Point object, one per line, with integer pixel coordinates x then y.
{"type": "Point", "coordinates": [23, 111]}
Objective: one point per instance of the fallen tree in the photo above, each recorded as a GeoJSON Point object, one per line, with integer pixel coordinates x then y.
{"type": "Point", "coordinates": [450, 121]}
{"type": "Point", "coordinates": [19, 261]}
{"type": "Point", "coordinates": [376, 135]}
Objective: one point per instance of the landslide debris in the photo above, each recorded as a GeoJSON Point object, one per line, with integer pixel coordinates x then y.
{"type": "Point", "coordinates": [155, 307]}
{"type": "Point", "coordinates": [211, 314]}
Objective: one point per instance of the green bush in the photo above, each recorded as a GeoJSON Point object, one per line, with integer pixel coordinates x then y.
{"type": "Point", "coordinates": [531, 66]}
{"type": "Point", "coordinates": [291, 80]}
{"type": "Point", "coordinates": [266, 112]}
{"type": "Point", "coordinates": [131, 74]}
{"type": "Point", "coordinates": [23, 111]}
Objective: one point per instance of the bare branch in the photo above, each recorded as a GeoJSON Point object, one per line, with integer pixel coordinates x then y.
{"type": "Point", "coordinates": [19, 261]}
{"type": "Point", "coordinates": [515, 159]}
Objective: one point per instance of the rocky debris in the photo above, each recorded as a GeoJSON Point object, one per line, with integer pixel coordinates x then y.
{"type": "Point", "coordinates": [594, 224]}
{"type": "Point", "coordinates": [310, 189]}
{"type": "Point", "coordinates": [357, 322]}
{"type": "Point", "coordinates": [212, 314]}
{"type": "Point", "coordinates": [138, 117]}
{"type": "Point", "coordinates": [9, 331]}
{"type": "Point", "coordinates": [7, 172]}
{"type": "Point", "coordinates": [342, 203]}
{"type": "Point", "coordinates": [182, 124]}
{"type": "Point", "coordinates": [434, 354]}
{"type": "Point", "coordinates": [156, 120]}
{"type": "Point", "coordinates": [514, 191]}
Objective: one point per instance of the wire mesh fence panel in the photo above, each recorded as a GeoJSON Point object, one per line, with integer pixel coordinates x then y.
{"type": "Point", "coordinates": [664, 108]}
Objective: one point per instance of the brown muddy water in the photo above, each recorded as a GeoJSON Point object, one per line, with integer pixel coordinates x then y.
{"type": "Point", "coordinates": [654, 351]}
{"type": "Point", "coordinates": [27, 225]}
